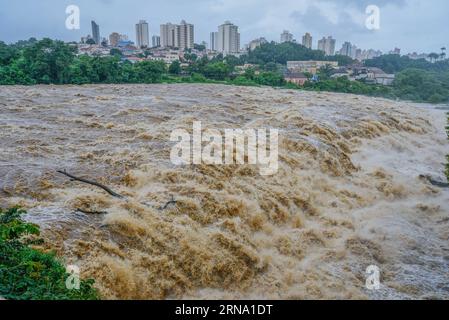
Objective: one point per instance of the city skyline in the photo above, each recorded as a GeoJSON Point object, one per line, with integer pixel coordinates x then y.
{"type": "Point", "coordinates": [227, 40]}
{"type": "Point", "coordinates": [181, 36]}
{"type": "Point", "coordinates": [316, 18]}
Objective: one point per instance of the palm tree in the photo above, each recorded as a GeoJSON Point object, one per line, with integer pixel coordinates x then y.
{"type": "Point", "coordinates": [433, 56]}
{"type": "Point", "coordinates": [443, 53]}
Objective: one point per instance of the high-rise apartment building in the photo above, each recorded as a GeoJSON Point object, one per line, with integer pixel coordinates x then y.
{"type": "Point", "coordinates": [95, 32]}
{"type": "Point", "coordinates": [213, 41]}
{"type": "Point", "coordinates": [327, 45]}
{"type": "Point", "coordinates": [142, 34]}
{"type": "Point", "coordinates": [307, 40]}
{"type": "Point", "coordinates": [180, 36]}
{"type": "Point", "coordinates": [156, 41]}
{"type": "Point", "coordinates": [168, 35]}
{"type": "Point", "coordinates": [346, 49]}
{"type": "Point", "coordinates": [358, 55]}
{"type": "Point", "coordinates": [228, 38]}
{"type": "Point", "coordinates": [353, 51]}
{"type": "Point", "coordinates": [322, 44]}
{"type": "Point", "coordinates": [186, 35]}
{"type": "Point", "coordinates": [256, 43]}
{"type": "Point", "coordinates": [286, 37]}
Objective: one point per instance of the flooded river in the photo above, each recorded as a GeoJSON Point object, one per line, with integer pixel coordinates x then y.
{"type": "Point", "coordinates": [349, 192]}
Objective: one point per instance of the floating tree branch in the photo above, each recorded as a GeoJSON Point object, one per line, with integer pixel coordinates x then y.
{"type": "Point", "coordinates": [93, 183]}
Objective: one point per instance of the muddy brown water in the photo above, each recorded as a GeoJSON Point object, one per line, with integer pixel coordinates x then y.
{"type": "Point", "coordinates": [348, 193]}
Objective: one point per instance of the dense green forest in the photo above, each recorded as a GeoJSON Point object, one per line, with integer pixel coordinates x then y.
{"type": "Point", "coordinates": [288, 51]}
{"type": "Point", "coordinates": [55, 62]}
{"type": "Point", "coordinates": [393, 63]}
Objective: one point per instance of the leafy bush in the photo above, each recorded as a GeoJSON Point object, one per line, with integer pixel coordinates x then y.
{"type": "Point", "coordinates": [217, 71]}
{"type": "Point", "coordinates": [243, 81]}
{"type": "Point", "coordinates": [197, 77]}
{"type": "Point", "coordinates": [27, 273]}
{"type": "Point", "coordinates": [150, 71]}
{"type": "Point", "coordinates": [175, 67]}
{"type": "Point", "coordinates": [270, 79]}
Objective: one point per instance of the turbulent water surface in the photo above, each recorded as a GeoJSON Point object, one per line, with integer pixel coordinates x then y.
{"type": "Point", "coordinates": [348, 193]}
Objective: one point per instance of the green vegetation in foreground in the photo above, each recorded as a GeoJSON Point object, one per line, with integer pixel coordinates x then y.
{"type": "Point", "coordinates": [55, 62]}
{"type": "Point", "coordinates": [27, 273]}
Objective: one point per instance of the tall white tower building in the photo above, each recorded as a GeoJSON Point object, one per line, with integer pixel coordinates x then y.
{"type": "Point", "coordinates": [346, 49]}
{"type": "Point", "coordinates": [213, 41]}
{"type": "Point", "coordinates": [286, 37]}
{"type": "Point", "coordinates": [327, 45]}
{"type": "Point", "coordinates": [186, 35]}
{"type": "Point", "coordinates": [307, 41]}
{"type": "Point", "coordinates": [180, 36]}
{"type": "Point", "coordinates": [169, 35]}
{"type": "Point", "coordinates": [156, 41]}
{"type": "Point", "coordinates": [228, 38]}
{"type": "Point", "coordinates": [142, 34]}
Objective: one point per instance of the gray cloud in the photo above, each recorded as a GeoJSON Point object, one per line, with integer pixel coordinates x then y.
{"type": "Point", "coordinates": [345, 25]}
{"type": "Point", "coordinates": [364, 3]}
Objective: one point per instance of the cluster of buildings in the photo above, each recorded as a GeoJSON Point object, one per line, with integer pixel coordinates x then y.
{"type": "Point", "coordinates": [369, 75]}
{"type": "Point", "coordinates": [328, 46]}
{"type": "Point", "coordinates": [173, 36]}
{"type": "Point", "coordinates": [299, 72]}
{"type": "Point", "coordinates": [174, 39]}
{"type": "Point", "coordinates": [225, 40]}
{"type": "Point", "coordinates": [286, 36]}
{"type": "Point", "coordinates": [170, 45]}
{"type": "Point", "coordinates": [350, 50]}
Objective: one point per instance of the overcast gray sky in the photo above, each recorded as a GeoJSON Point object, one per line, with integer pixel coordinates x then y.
{"type": "Point", "coordinates": [412, 25]}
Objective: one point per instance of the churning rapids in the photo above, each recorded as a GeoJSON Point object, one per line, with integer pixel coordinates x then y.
{"type": "Point", "coordinates": [348, 193]}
